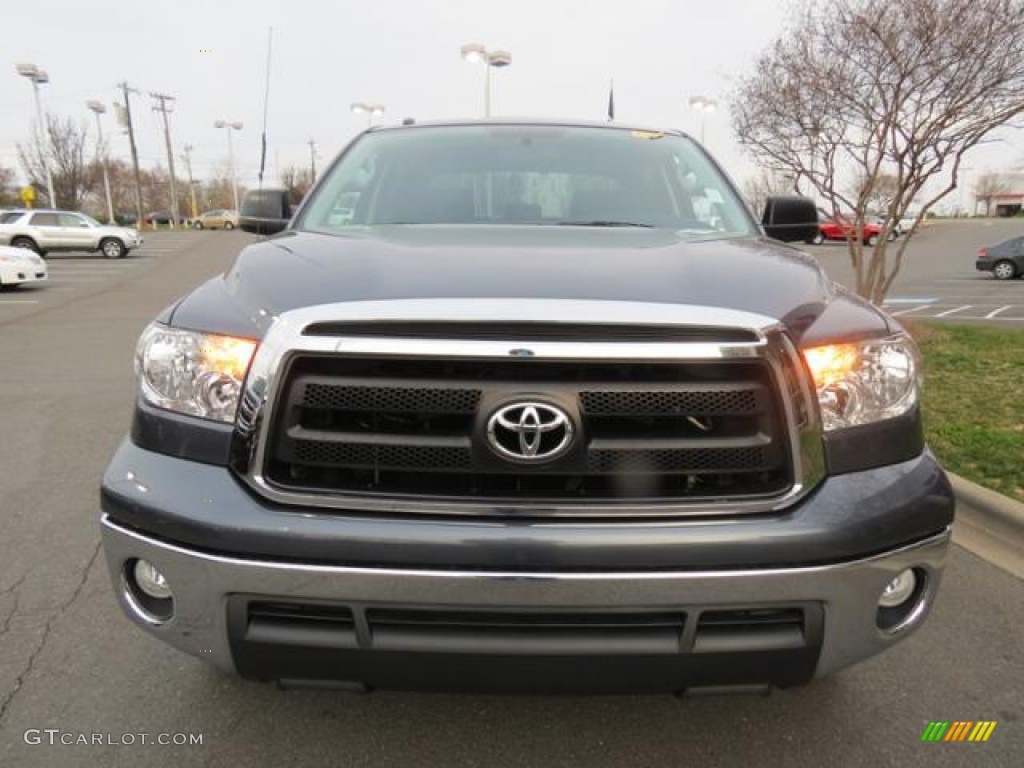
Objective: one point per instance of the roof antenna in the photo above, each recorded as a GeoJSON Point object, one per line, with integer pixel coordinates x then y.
{"type": "Point", "coordinates": [266, 104]}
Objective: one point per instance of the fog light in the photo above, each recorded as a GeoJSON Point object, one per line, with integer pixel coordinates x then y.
{"type": "Point", "coordinates": [899, 590]}
{"type": "Point", "coordinates": [150, 580]}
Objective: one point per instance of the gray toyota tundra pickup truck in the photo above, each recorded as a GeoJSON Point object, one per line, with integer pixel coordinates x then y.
{"type": "Point", "coordinates": [528, 407]}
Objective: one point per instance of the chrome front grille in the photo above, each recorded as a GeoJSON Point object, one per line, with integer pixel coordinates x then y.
{"type": "Point", "coordinates": [383, 426]}
{"type": "Point", "coordinates": [400, 424]}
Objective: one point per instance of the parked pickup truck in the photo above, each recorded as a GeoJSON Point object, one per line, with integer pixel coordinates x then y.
{"type": "Point", "coordinates": [546, 410]}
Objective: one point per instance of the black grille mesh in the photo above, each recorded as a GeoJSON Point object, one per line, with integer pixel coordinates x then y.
{"type": "Point", "coordinates": [321, 453]}
{"type": "Point", "coordinates": [679, 460]}
{"type": "Point", "coordinates": [370, 398]}
{"type": "Point", "coordinates": [668, 402]}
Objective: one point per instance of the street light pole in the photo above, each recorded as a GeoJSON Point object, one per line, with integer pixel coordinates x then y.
{"type": "Point", "coordinates": [38, 77]}
{"type": "Point", "coordinates": [98, 109]}
{"type": "Point", "coordinates": [474, 52]}
{"type": "Point", "coordinates": [229, 127]}
{"type": "Point", "coordinates": [370, 110]}
{"type": "Point", "coordinates": [703, 104]}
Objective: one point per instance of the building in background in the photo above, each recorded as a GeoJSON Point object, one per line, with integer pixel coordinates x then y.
{"type": "Point", "coordinates": [1008, 199]}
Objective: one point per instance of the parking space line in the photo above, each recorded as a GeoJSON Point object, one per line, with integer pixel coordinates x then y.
{"type": "Point", "coordinates": [951, 311]}
{"type": "Point", "coordinates": [79, 264]}
{"type": "Point", "coordinates": [89, 270]}
{"type": "Point", "coordinates": [912, 309]}
{"type": "Point", "coordinates": [990, 315]}
{"type": "Point", "coordinates": [77, 271]}
{"type": "Point", "coordinates": [16, 301]}
{"type": "Point", "coordinates": [980, 318]}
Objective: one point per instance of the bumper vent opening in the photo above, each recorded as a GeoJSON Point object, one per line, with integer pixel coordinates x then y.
{"type": "Point", "coordinates": [525, 633]}
{"type": "Point", "coordinates": [324, 626]}
{"type": "Point", "coordinates": [762, 629]}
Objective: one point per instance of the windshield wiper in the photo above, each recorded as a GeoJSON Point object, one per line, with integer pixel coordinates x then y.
{"type": "Point", "coordinates": [604, 223]}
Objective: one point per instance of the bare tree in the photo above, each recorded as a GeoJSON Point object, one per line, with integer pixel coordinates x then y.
{"type": "Point", "coordinates": [891, 95]}
{"type": "Point", "coordinates": [65, 143]}
{"type": "Point", "coordinates": [297, 181]}
{"type": "Point", "coordinates": [988, 186]}
{"type": "Point", "coordinates": [8, 187]}
{"type": "Point", "coordinates": [757, 189]}
{"type": "Point", "coordinates": [218, 192]}
{"type": "Point", "coordinates": [878, 193]}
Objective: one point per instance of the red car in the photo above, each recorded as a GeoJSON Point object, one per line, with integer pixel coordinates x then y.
{"type": "Point", "coordinates": [839, 229]}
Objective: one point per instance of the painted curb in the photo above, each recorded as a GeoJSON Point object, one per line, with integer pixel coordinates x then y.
{"type": "Point", "coordinates": [988, 503]}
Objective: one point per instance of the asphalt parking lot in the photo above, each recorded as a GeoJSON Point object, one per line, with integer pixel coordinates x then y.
{"type": "Point", "coordinates": [70, 662]}
{"type": "Point", "coordinates": [76, 274]}
{"type": "Point", "coordinates": [938, 279]}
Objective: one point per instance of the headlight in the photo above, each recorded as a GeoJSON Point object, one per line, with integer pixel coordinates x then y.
{"type": "Point", "coordinates": [865, 382]}
{"type": "Point", "coordinates": [195, 373]}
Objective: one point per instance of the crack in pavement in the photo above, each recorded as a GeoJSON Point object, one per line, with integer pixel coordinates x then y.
{"type": "Point", "coordinates": [6, 703]}
{"type": "Point", "coordinates": [15, 585]}
{"type": "Point", "coordinates": [10, 616]}
{"type": "Point", "coordinates": [17, 602]}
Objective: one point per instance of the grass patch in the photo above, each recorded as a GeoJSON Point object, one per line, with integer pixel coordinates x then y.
{"type": "Point", "coordinates": [974, 402]}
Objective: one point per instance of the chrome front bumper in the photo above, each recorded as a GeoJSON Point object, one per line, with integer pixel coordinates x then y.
{"type": "Point", "coordinates": [203, 584]}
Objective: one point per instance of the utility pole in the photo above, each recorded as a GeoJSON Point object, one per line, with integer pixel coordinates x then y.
{"type": "Point", "coordinates": [165, 110]}
{"type": "Point", "coordinates": [312, 160]}
{"type": "Point", "coordinates": [135, 152]}
{"type": "Point", "coordinates": [187, 157]}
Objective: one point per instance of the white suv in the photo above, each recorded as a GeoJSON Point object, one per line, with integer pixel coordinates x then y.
{"type": "Point", "coordinates": [44, 231]}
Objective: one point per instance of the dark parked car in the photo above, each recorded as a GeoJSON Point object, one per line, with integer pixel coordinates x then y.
{"type": "Point", "coordinates": [526, 407]}
{"type": "Point", "coordinates": [156, 218]}
{"type": "Point", "coordinates": [1005, 261]}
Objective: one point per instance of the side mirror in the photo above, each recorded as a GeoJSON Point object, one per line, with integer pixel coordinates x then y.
{"type": "Point", "coordinates": [265, 211]}
{"type": "Point", "coordinates": [790, 219]}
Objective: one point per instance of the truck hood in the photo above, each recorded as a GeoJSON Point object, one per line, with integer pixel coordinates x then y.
{"type": "Point", "coordinates": [301, 269]}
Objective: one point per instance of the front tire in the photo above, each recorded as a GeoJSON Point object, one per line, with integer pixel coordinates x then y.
{"type": "Point", "coordinates": [25, 242]}
{"type": "Point", "coordinates": [818, 239]}
{"type": "Point", "coordinates": [113, 248]}
{"type": "Point", "coordinates": [1004, 270]}
{"type": "Point", "coordinates": [228, 225]}
{"type": "Point", "coordinates": [870, 242]}
{"type": "Point", "coordinates": [197, 225]}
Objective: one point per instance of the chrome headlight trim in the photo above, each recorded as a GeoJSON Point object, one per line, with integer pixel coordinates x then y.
{"type": "Point", "coordinates": [864, 382]}
{"type": "Point", "coordinates": [198, 374]}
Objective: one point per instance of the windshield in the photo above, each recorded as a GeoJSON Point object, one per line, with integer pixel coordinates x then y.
{"type": "Point", "coordinates": [526, 175]}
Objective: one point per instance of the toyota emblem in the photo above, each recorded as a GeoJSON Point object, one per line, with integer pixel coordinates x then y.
{"type": "Point", "coordinates": [530, 432]}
